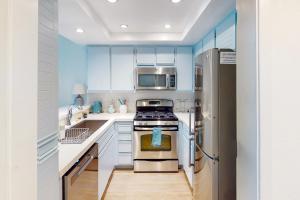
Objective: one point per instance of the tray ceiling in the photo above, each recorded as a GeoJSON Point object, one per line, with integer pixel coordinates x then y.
{"type": "Point", "coordinates": [146, 20]}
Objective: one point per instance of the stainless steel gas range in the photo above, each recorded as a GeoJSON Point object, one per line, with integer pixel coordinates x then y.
{"type": "Point", "coordinates": [153, 113]}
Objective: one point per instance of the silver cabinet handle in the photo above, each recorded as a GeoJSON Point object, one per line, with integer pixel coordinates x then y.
{"type": "Point", "coordinates": [191, 162]}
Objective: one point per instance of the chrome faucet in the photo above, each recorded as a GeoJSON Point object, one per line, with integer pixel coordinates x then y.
{"type": "Point", "coordinates": [69, 116]}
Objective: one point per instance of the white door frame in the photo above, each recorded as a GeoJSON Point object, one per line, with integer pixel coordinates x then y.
{"type": "Point", "coordinates": [18, 107]}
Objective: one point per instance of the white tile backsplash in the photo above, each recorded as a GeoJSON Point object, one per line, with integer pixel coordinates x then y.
{"type": "Point", "coordinates": [182, 99]}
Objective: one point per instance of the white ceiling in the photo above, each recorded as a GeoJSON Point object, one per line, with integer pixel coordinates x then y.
{"type": "Point", "coordinates": [190, 20]}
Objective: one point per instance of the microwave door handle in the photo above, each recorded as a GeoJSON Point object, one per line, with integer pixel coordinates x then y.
{"type": "Point", "coordinates": [168, 81]}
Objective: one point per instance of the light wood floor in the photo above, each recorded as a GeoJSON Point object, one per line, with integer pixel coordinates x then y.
{"type": "Point", "coordinates": [126, 185]}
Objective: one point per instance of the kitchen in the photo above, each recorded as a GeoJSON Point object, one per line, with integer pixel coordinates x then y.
{"type": "Point", "coordinates": [153, 119]}
{"type": "Point", "coordinates": [160, 76]}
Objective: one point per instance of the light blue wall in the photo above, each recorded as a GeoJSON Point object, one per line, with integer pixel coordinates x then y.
{"type": "Point", "coordinates": [221, 36]}
{"type": "Point", "coordinates": [72, 66]}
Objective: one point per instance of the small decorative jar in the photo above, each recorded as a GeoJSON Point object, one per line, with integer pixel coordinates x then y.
{"type": "Point", "coordinates": [123, 109]}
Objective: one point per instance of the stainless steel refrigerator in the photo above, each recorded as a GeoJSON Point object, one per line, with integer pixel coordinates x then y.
{"type": "Point", "coordinates": [214, 125]}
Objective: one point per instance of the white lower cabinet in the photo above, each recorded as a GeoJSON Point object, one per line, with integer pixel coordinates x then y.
{"type": "Point", "coordinates": [125, 159]}
{"type": "Point", "coordinates": [115, 149]}
{"type": "Point", "coordinates": [125, 143]}
{"type": "Point", "coordinates": [185, 148]}
{"type": "Point", "coordinates": [107, 159]}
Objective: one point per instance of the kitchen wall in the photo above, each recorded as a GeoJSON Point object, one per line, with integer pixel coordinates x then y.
{"type": "Point", "coordinates": [29, 93]}
{"type": "Point", "coordinates": [221, 36]}
{"type": "Point", "coordinates": [247, 105]}
{"type": "Point", "coordinates": [4, 106]}
{"type": "Point", "coordinates": [72, 68]}
{"type": "Point", "coordinates": [182, 99]}
{"type": "Point", "coordinates": [278, 74]}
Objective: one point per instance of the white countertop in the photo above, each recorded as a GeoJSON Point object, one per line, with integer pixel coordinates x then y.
{"type": "Point", "coordinates": [70, 153]}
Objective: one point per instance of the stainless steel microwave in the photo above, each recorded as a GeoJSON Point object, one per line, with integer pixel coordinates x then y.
{"type": "Point", "coordinates": [156, 78]}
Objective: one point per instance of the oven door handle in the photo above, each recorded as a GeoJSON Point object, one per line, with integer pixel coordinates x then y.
{"type": "Point", "coordinates": [150, 129]}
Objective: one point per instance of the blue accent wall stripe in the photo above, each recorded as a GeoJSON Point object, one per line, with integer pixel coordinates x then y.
{"type": "Point", "coordinates": [223, 35]}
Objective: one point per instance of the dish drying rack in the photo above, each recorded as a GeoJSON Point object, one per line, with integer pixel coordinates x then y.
{"type": "Point", "coordinates": [75, 136]}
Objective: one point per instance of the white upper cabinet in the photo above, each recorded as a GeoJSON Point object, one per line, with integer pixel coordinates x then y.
{"type": "Point", "coordinates": [122, 67]}
{"type": "Point", "coordinates": [145, 56]}
{"type": "Point", "coordinates": [165, 56]}
{"type": "Point", "coordinates": [184, 64]}
{"type": "Point", "coordinates": [98, 68]}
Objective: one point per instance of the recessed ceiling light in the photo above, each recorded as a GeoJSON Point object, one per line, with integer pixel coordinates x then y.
{"type": "Point", "coordinates": [167, 26]}
{"type": "Point", "coordinates": [112, 1]}
{"type": "Point", "coordinates": [176, 1]}
{"type": "Point", "coordinates": [124, 26]}
{"type": "Point", "coordinates": [79, 30]}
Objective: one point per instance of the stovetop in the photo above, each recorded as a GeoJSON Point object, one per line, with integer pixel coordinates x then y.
{"type": "Point", "coordinates": [155, 116]}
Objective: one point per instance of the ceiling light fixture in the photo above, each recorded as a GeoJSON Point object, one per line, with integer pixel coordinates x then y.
{"type": "Point", "coordinates": [124, 26]}
{"type": "Point", "coordinates": [79, 30]}
{"type": "Point", "coordinates": [112, 1]}
{"type": "Point", "coordinates": [176, 1]}
{"type": "Point", "coordinates": [167, 26]}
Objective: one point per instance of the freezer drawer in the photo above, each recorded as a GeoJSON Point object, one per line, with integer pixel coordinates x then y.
{"type": "Point", "coordinates": [205, 182]}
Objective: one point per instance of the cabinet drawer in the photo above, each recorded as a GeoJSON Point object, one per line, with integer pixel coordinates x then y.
{"type": "Point", "coordinates": [124, 128]}
{"type": "Point", "coordinates": [125, 147]}
{"type": "Point", "coordinates": [125, 159]}
{"type": "Point", "coordinates": [105, 138]}
{"type": "Point", "coordinates": [125, 136]}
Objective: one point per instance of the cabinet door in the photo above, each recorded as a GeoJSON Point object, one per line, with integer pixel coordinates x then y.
{"type": "Point", "coordinates": [106, 164]}
{"type": "Point", "coordinates": [122, 68]}
{"type": "Point", "coordinates": [186, 154]}
{"type": "Point", "coordinates": [98, 68]}
{"type": "Point", "coordinates": [184, 64]}
{"type": "Point", "coordinates": [180, 147]}
{"type": "Point", "coordinates": [145, 56]}
{"type": "Point", "coordinates": [165, 56]}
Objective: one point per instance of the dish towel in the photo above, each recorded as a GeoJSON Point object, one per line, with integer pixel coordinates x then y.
{"type": "Point", "coordinates": [156, 136]}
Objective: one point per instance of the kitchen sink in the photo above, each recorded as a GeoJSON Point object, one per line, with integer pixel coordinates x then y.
{"type": "Point", "coordinates": [92, 125]}
{"type": "Point", "coordinates": [81, 131]}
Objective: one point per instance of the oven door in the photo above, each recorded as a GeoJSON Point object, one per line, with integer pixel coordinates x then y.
{"type": "Point", "coordinates": [143, 148]}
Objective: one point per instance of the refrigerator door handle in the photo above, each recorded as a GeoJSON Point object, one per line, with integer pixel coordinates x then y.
{"type": "Point", "coordinates": [190, 121]}
{"type": "Point", "coordinates": [210, 157]}
{"type": "Point", "coordinates": [191, 160]}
